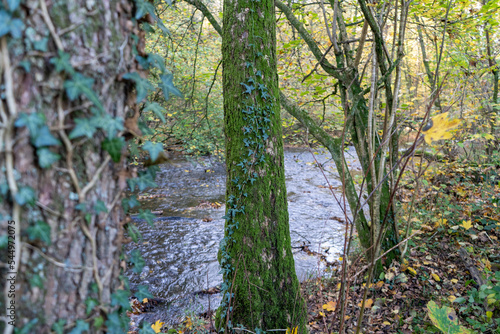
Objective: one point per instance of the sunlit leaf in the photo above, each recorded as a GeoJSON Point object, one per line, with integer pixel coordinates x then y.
{"type": "Point", "coordinates": [157, 326]}
{"type": "Point", "coordinates": [439, 128]}
{"type": "Point", "coordinates": [330, 306]}
{"type": "Point", "coordinates": [445, 319]}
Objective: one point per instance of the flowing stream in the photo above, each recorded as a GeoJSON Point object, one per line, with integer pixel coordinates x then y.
{"type": "Point", "coordinates": [180, 250]}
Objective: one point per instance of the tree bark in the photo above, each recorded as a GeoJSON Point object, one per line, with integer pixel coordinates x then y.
{"type": "Point", "coordinates": [77, 263]}
{"type": "Point", "coordinates": [260, 289]}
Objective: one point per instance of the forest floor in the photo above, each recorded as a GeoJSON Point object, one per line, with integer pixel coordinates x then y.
{"type": "Point", "coordinates": [454, 262]}
{"type": "Point", "coordinates": [449, 279]}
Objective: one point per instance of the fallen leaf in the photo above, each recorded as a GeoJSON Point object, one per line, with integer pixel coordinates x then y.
{"type": "Point", "coordinates": [412, 271]}
{"type": "Point", "coordinates": [467, 224]}
{"type": "Point", "coordinates": [368, 303]}
{"type": "Point", "coordinates": [157, 326]}
{"type": "Point", "coordinates": [436, 277]}
{"type": "Point", "coordinates": [330, 306]}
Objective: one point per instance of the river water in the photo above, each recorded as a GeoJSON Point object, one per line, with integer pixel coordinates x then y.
{"type": "Point", "coordinates": [180, 250]}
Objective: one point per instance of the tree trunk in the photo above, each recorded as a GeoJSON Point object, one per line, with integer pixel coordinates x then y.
{"type": "Point", "coordinates": [260, 287]}
{"type": "Point", "coordinates": [69, 231]}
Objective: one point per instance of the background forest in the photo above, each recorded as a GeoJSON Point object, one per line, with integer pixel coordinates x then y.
{"type": "Point", "coordinates": [96, 96]}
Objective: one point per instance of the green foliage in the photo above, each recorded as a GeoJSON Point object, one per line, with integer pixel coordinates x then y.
{"type": "Point", "coordinates": [143, 181]}
{"type": "Point", "coordinates": [46, 157]}
{"type": "Point", "coordinates": [168, 87]}
{"type": "Point", "coordinates": [28, 328]}
{"type": "Point", "coordinates": [81, 327]}
{"type": "Point", "coordinates": [58, 327]}
{"type": "Point", "coordinates": [142, 86]}
{"type": "Point", "coordinates": [84, 127]}
{"type": "Point", "coordinates": [114, 147]}
{"type": "Point", "coordinates": [25, 195]}
{"type": "Point", "coordinates": [482, 307]}
{"type": "Point", "coordinates": [154, 149]}
{"type": "Point", "coordinates": [39, 132]}
{"type": "Point", "coordinates": [116, 324]}
{"type": "Point", "coordinates": [40, 230]}
{"type": "Point", "coordinates": [144, 7]}
{"type": "Point", "coordinates": [63, 63]}
{"type": "Point", "coordinates": [157, 109]}
{"type": "Point", "coordinates": [147, 216]}
{"type": "Point", "coordinates": [137, 261]}
{"type": "Point", "coordinates": [82, 85]}
{"type": "Point", "coordinates": [9, 24]}
{"type": "Point", "coordinates": [120, 298]}
{"type": "Point", "coordinates": [143, 292]}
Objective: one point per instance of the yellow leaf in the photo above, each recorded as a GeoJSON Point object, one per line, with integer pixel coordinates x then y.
{"type": "Point", "coordinates": [454, 281]}
{"type": "Point", "coordinates": [330, 306]}
{"type": "Point", "coordinates": [157, 326]}
{"type": "Point", "coordinates": [412, 271]}
{"type": "Point", "coordinates": [452, 298]}
{"type": "Point", "coordinates": [439, 128]}
{"type": "Point", "coordinates": [321, 314]}
{"type": "Point", "coordinates": [467, 224]}
{"type": "Point", "coordinates": [294, 330]}
{"type": "Point", "coordinates": [387, 323]}
{"type": "Point", "coordinates": [436, 277]}
{"type": "Point", "coordinates": [489, 314]}
{"type": "Point", "coordinates": [145, 300]}
{"type": "Point", "coordinates": [368, 303]}
{"type": "Point", "coordinates": [188, 322]}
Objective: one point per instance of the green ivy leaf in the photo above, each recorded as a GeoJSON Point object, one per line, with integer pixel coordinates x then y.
{"type": "Point", "coordinates": [146, 328]}
{"type": "Point", "coordinates": [91, 304]}
{"type": "Point", "coordinates": [142, 8]}
{"type": "Point", "coordinates": [62, 63]}
{"type": "Point", "coordinates": [147, 216]}
{"type": "Point", "coordinates": [143, 86]}
{"type": "Point", "coordinates": [43, 137]}
{"type": "Point", "coordinates": [143, 292]}
{"type": "Point", "coordinates": [116, 324]}
{"type": "Point", "coordinates": [130, 202]}
{"type": "Point", "coordinates": [100, 206]}
{"type": "Point", "coordinates": [28, 328]}
{"type": "Point", "coordinates": [84, 127]}
{"type": "Point", "coordinates": [167, 86]}
{"type": "Point", "coordinates": [114, 147]}
{"type": "Point", "coordinates": [81, 326]}
{"type": "Point", "coordinates": [13, 4]}
{"type": "Point", "coordinates": [120, 297]}
{"type": "Point", "coordinates": [156, 109]}
{"type": "Point", "coordinates": [157, 61]}
{"type": "Point", "coordinates": [134, 233]}
{"type": "Point", "coordinates": [111, 124]}
{"type": "Point", "coordinates": [143, 182]}
{"type": "Point", "coordinates": [58, 326]}
{"type": "Point", "coordinates": [137, 261]}
{"type": "Point", "coordinates": [32, 121]}
{"type": "Point", "coordinates": [39, 231]}
{"type": "Point", "coordinates": [79, 85]}
{"type": "Point", "coordinates": [8, 24]}
{"type": "Point", "coordinates": [25, 195]}
{"type": "Point", "coordinates": [154, 149]}
{"type": "Point", "coordinates": [46, 157]}
{"type": "Point", "coordinates": [41, 45]}
{"type": "Point", "coordinates": [162, 27]}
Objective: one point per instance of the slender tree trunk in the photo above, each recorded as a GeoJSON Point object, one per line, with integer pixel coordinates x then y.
{"type": "Point", "coordinates": [260, 287]}
{"type": "Point", "coordinates": [69, 229]}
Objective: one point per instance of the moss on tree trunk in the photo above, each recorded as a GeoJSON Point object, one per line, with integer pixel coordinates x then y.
{"type": "Point", "coordinates": [261, 289]}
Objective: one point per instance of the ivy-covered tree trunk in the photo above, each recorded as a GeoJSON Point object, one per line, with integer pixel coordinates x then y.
{"type": "Point", "coordinates": [260, 289]}
{"type": "Point", "coordinates": [64, 109]}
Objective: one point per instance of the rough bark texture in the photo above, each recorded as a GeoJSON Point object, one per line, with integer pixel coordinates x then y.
{"type": "Point", "coordinates": [82, 260]}
{"type": "Point", "coordinates": [263, 280]}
